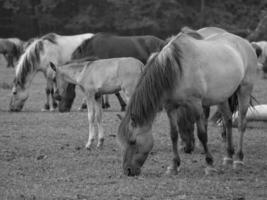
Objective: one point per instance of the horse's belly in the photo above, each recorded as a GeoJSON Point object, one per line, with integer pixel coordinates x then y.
{"type": "Point", "coordinates": [221, 86]}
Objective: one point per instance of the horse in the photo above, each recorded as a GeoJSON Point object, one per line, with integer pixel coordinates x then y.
{"type": "Point", "coordinates": [185, 117]}
{"type": "Point", "coordinates": [96, 78]}
{"type": "Point", "coordinates": [104, 45]}
{"type": "Point", "coordinates": [11, 48]}
{"type": "Point", "coordinates": [261, 51]}
{"type": "Point", "coordinates": [38, 54]}
{"type": "Point", "coordinates": [194, 72]}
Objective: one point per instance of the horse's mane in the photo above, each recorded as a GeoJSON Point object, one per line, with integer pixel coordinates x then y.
{"type": "Point", "coordinates": [160, 76]}
{"type": "Point", "coordinates": [51, 37]}
{"type": "Point", "coordinates": [192, 33]}
{"type": "Point", "coordinates": [31, 58]}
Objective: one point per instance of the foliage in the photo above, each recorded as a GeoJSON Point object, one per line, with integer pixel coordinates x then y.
{"type": "Point", "coordinates": [158, 17]}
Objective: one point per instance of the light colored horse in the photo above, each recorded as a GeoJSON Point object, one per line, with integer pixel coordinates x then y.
{"type": "Point", "coordinates": [195, 73]}
{"type": "Point", "coordinates": [263, 53]}
{"type": "Point", "coordinates": [95, 78]}
{"type": "Point", "coordinates": [51, 47]}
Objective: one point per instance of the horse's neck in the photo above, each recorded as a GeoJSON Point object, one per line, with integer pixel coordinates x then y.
{"type": "Point", "coordinates": [72, 73]}
{"type": "Point", "coordinates": [29, 79]}
{"type": "Point", "coordinates": [61, 52]}
{"type": "Point", "coordinates": [69, 44]}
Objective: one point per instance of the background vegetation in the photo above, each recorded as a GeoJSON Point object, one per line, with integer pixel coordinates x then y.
{"type": "Point", "coordinates": [30, 18]}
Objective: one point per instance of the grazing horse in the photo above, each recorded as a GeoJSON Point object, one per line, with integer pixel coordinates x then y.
{"type": "Point", "coordinates": [96, 78]}
{"type": "Point", "coordinates": [104, 46]}
{"type": "Point", "coordinates": [38, 54]}
{"type": "Point", "coordinates": [193, 72]}
{"type": "Point", "coordinates": [11, 48]}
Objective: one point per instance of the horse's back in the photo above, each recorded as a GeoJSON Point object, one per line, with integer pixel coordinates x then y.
{"type": "Point", "coordinates": [242, 46]}
{"type": "Point", "coordinates": [210, 31]}
{"type": "Point", "coordinates": [113, 46]}
{"type": "Point", "coordinates": [105, 74]}
{"type": "Point", "coordinates": [221, 63]}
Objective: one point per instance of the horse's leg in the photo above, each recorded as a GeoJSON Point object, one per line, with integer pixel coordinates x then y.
{"type": "Point", "coordinates": [122, 102]}
{"type": "Point", "coordinates": [105, 103]}
{"type": "Point", "coordinates": [98, 119]}
{"type": "Point", "coordinates": [202, 124]}
{"type": "Point", "coordinates": [243, 95]}
{"type": "Point", "coordinates": [10, 61]}
{"type": "Point", "coordinates": [47, 92]}
{"type": "Point", "coordinates": [227, 124]}
{"type": "Point", "coordinates": [186, 125]}
{"type": "Point", "coordinates": [91, 120]}
{"type": "Point", "coordinates": [54, 102]}
{"type": "Point", "coordinates": [173, 168]}
{"type": "Point", "coordinates": [206, 110]}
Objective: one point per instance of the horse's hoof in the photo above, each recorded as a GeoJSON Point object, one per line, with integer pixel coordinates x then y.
{"type": "Point", "coordinates": [227, 161]}
{"type": "Point", "coordinates": [210, 171]}
{"type": "Point", "coordinates": [52, 110]}
{"type": "Point", "coordinates": [238, 164]}
{"type": "Point", "coordinates": [88, 146]}
{"type": "Point", "coordinates": [172, 171]}
{"type": "Point", "coordinates": [44, 110]}
{"type": "Point", "coordinates": [100, 143]}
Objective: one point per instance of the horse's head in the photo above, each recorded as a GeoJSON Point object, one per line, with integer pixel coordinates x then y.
{"type": "Point", "coordinates": [19, 96]}
{"type": "Point", "coordinates": [60, 84]}
{"type": "Point", "coordinates": [136, 143]}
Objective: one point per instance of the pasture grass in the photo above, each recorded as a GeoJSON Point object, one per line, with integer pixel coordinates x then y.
{"type": "Point", "coordinates": [42, 156]}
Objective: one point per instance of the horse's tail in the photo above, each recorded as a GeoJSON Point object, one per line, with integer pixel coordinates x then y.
{"type": "Point", "coordinates": [233, 102]}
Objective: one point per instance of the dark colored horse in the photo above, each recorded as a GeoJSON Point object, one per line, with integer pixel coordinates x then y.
{"type": "Point", "coordinates": [103, 46]}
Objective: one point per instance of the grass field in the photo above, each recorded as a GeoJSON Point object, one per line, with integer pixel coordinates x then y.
{"type": "Point", "coordinates": [42, 156]}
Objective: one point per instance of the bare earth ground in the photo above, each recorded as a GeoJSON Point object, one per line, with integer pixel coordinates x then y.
{"type": "Point", "coordinates": [42, 156]}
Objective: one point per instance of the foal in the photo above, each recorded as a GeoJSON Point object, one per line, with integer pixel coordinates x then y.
{"type": "Point", "coordinates": [95, 78]}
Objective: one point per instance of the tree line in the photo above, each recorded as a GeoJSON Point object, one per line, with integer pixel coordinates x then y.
{"type": "Point", "coordinates": [30, 18]}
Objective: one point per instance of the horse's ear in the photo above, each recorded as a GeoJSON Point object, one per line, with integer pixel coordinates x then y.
{"type": "Point", "coordinates": [52, 65]}
{"type": "Point", "coordinates": [120, 116]}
